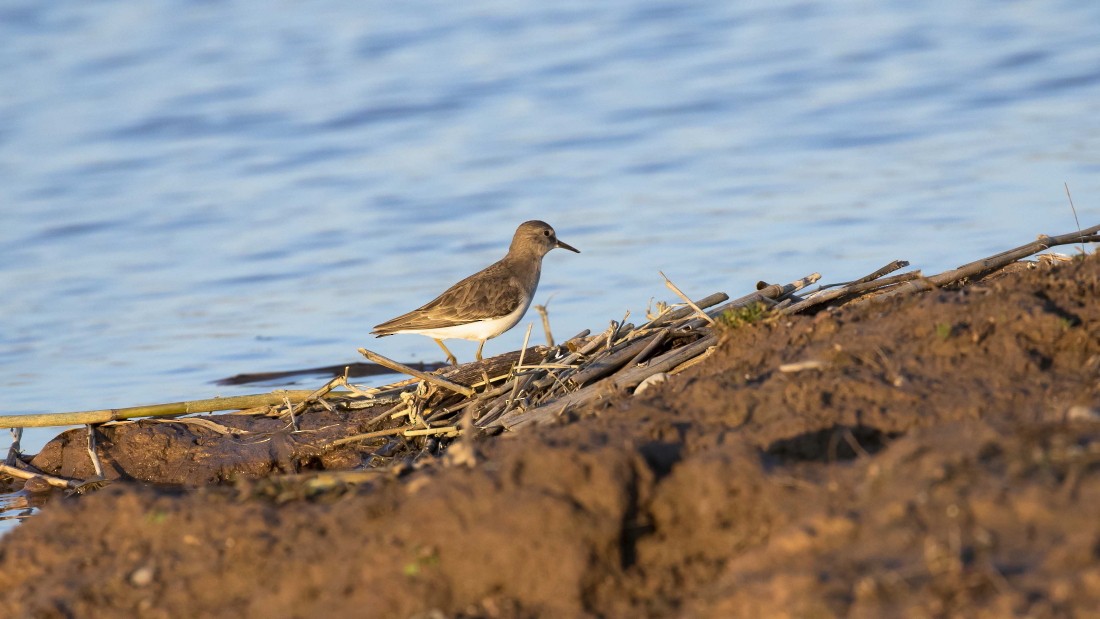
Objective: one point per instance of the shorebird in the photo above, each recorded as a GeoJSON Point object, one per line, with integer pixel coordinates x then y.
{"type": "Point", "coordinates": [487, 303]}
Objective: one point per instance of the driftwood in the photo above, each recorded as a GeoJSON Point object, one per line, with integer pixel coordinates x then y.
{"type": "Point", "coordinates": [857, 287]}
{"type": "Point", "coordinates": [439, 381]}
{"type": "Point", "coordinates": [875, 286]}
{"type": "Point", "coordinates": [56, 482]}
{"type": "Point", "coordinates": [46, 420]}
{"type": "Point", "coordinates": [997, 261]}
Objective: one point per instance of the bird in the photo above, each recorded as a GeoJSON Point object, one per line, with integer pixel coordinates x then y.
{"type": "Point", "coordinates": [487, 303]}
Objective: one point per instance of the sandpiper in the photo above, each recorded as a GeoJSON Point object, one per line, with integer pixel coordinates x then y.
{"type": "Point", "coordinates": [487, 303]}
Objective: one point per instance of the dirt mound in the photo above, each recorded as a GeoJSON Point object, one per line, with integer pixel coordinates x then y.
{"type": "Point", "coordinates": [933, 455]}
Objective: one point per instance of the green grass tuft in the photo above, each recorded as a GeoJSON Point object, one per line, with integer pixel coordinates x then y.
{"type": "Point", "coordinates": [741, 316]}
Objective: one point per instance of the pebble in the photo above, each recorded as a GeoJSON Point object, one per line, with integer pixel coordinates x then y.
{"type": "Point", "coordinates": [142, 576]}
{"type": "Point", "coordinates": [1082, 413]}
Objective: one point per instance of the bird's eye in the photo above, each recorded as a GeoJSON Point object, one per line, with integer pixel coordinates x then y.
{"type": "Point", "coordinates": [546, 233]}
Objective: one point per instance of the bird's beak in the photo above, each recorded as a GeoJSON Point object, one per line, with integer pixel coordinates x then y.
{"type": "Point", "coordinates": [567, 246]}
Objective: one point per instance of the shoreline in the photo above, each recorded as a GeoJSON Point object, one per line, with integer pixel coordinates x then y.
{"type": "Point", "coordinates": [935, 453]}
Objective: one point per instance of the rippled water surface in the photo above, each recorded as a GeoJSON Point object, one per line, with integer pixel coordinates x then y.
{"type": "Point", "coordinates": [193, 190]}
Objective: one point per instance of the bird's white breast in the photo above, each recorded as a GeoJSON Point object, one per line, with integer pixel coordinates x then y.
{"type": "Point", "coordinates": [478, 331]}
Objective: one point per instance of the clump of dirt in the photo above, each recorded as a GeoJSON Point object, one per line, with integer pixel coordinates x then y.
{"type": "Point", "coordinates": [199, 451]}
{"type": "Point", "coordinates": [922, 456]}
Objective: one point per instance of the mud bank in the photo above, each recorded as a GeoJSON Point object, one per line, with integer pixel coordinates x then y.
{"type": "Point", "coordinates": [939, 455]}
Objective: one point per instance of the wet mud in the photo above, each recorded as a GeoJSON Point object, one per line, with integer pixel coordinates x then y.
{"type": "Point", "coordinates": [933, 455]}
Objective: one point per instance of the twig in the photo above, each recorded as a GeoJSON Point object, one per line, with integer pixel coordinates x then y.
{"type": "Point", "coordinates": [683, 312]}
{"type": "Point", "coordinates": [683, 296]}
{"type": "Point", "coordinates": [592, 346]}
{"type": "Point", "coordinates": [802, 366]}
{"type": "Point", "coordinates": [388, 413]}
{"type": "Point", "coordinates": [889, 268]}
{"type": "Point", "coordinates": [776, 292]}
{"type": "Point", "coordinates": [14, 449]}
{"type": "Point", "coordinates": [630, 377]}
{"type": "Point", "coordinates": [366, 436]}
{"type": "Point", "coordinates": [502, 403]}
{"type": "Point", "coordinates": [157, 410]}
{"type": "Point", "coordinates": [526, 336]}
{"type": "Point", "coordinates": [1074, 209]}
{"type": "Point", "coordinates": [772, 292]}
{"type": "Point", "coordinates": [583, 334]}
{"type": "Point", "coordinates": [621, 328]}
{"type": "Point", "coordinates": [589, 348]}
{"type": "Point", "coordinates": [662, 309]}
{"type": "Point", "coordinates": [91, 452]}
{"type": "Point", "coordinates": [363, 393]}
{"type": "Point", "coordinates": [416, 403]}
{"type": "Point", "coordinates": [544, 366]}
{"type": "Point", "coordinates": [431, 378]}
{"type": "Point", "coordinates": [519, 384]}
{"type": "Point", "coordinates": [648, 350]}
{"type": "Point", "coordinates": [535, 372]}
{"type": "Point", "coordinates": [327, 480]}
{"type": "Point", "coordinates": [294, 410]}
{"type": "Point", "coordinates": [498, 368]}
{"type": "Point", "coordinates": [610, 363]}
{"type": "Point", "coordinates": [463, 452]}
{"type": "Point", "coordinates": [996, 261]}
{"type": "Point", "coordinates": [290, 411]}
{"type": "Point", "coordinates": [624, 380]}
{"type": "Point", "coordinates": [697, 359]}
{"type": "Point", "coordinates": [482, 397]}
{"type": "Point", "coordinates": [520, 387]}
{"type": "Point", "coordinates": [453, 430]}
{"type": "Point", "coordinates": [849, 289]}
{"type": "Point", "coordinates": [853, 443]}
{"type": "Point", "coordinates": [200, 422]}
{"type": "Point", "coordinates": [766, 294]}
{"type": "Point", "coordinates": [541, 309]}
{"type": "Point", "coordinates": [492, 414]}
{"type": "Point", "coordinates": [56, 482]}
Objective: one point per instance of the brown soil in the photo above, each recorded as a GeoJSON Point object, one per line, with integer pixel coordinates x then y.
{"type": "Point", "coordinates": [943, 461]}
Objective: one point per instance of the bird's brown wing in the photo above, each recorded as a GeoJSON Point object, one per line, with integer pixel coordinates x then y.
{"type": "Point", "coordinates": [488, 294]}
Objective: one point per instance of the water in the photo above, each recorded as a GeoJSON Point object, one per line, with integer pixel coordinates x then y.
{"type": "Point", "coordinates": [193, 190]}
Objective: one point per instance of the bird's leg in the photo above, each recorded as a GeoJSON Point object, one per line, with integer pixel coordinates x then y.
{"type": "Point", "coordinates": [479, 347]}
{"type": "Point", "coordinates": [450, 357]}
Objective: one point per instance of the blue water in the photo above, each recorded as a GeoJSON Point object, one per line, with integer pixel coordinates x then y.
{"type": "Point", "coordinates": [192, 190]}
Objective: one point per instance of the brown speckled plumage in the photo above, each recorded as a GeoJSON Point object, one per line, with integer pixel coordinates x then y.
{"type": "Point", "coordinates": [493, 298]}
{"type": "Point", "coordinates": [491, 293]}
